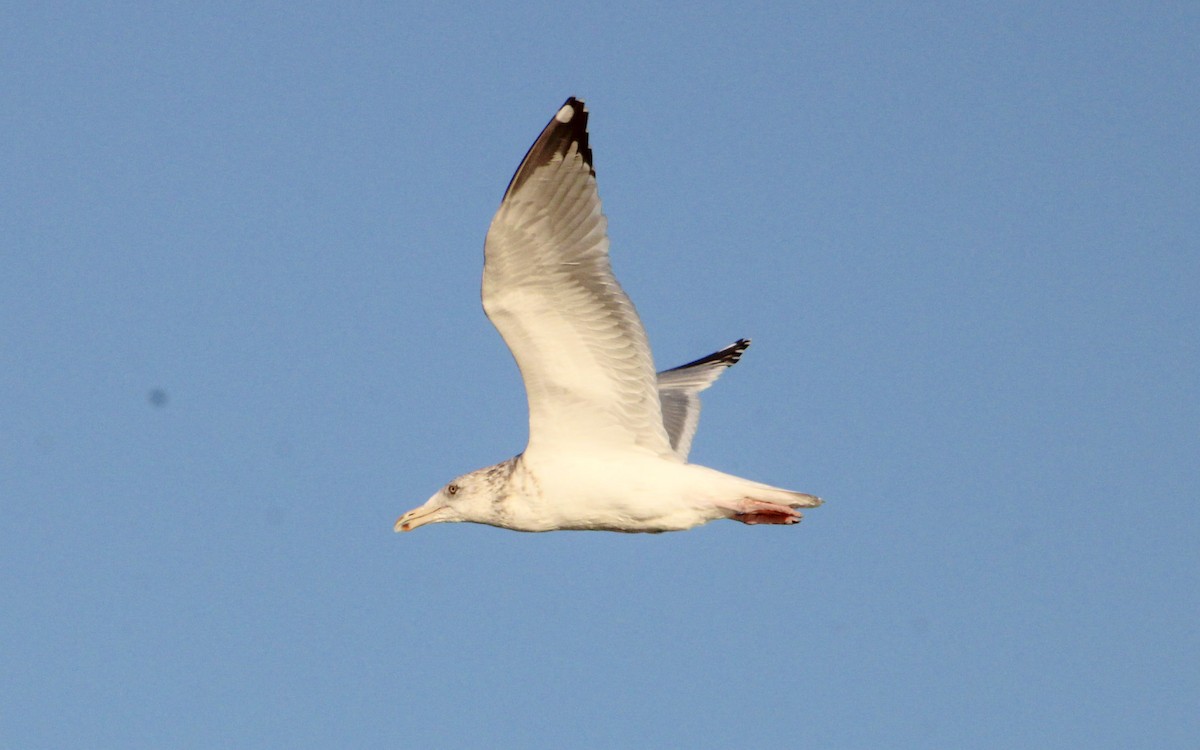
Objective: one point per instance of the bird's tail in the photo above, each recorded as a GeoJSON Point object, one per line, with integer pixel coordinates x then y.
{"type": "Point", "coordinates": [790, 498]}
{"type": "Point", "coordinates": [749, 501]}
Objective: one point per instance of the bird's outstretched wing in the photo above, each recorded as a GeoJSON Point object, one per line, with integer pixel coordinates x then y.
{"type": "Point", "coordinates": [550, 291]}
{"type": "Point", "coordinates": [679, 393]}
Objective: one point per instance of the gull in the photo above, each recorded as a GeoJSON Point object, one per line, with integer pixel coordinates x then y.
{"type": "Point", "coordinates": [608, 437]}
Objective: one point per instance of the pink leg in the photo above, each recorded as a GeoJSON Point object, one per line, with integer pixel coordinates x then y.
{"type": "Point", "coordinates": [760, 511]}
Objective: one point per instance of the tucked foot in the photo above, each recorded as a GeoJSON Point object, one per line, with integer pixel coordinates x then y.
{"type": "Point", "coordinates": [751, 512]}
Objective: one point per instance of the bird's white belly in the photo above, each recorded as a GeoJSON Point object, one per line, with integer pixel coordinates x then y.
{"type": "Point", "coordinates": [622, 492]}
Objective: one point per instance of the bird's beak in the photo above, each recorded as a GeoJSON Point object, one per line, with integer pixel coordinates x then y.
{"type": "Point", "coordinates": [430, 512]}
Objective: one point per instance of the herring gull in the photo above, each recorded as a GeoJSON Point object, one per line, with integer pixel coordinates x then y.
{"type": "Point", "coordinates": [608, 438]}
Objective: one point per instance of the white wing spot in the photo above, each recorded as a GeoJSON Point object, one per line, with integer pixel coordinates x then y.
{"type": "Point", "coordinates": [565, 114]}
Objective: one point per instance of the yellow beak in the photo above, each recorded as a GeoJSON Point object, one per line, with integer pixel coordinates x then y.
{"type": "Point", "coordinates": [427, 513]}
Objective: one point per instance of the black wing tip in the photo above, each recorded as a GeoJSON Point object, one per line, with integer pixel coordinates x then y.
{"type": "Point", "coordinates": [574, 103]}
{"type": "Point", "coordinates": [567, 126]}
{"type": "Point", "coordinates": [727, 357]}
{"type": "Point", "coordinates": [732, 353]}
{"type": "Point", "coordinates": [577, 122]}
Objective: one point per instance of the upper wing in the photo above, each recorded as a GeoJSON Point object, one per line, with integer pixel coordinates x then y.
{"type": "Point", "coordinates": [548, 288]}
{"type": "Point", "coordinates": [679, 392]}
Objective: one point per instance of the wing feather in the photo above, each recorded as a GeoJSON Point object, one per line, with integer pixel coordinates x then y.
{"type": "Point", "coordinates": [549, 289]}
{"type": "Point", "coordinates": [679, 393]}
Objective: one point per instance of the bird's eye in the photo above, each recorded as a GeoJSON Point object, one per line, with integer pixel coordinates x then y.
{"type": "Point", "coordinates": [451, 489]}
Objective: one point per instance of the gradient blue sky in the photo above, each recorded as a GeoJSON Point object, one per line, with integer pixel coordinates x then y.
{"type": "Point", "coordinates": [963, 239]}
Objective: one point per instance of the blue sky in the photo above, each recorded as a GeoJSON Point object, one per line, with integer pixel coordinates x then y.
{"type": "Point", "coordinates": [962, 239]}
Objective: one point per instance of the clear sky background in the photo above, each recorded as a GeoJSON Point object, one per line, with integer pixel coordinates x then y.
{"type": "Point", "coordinates": [240, 256]}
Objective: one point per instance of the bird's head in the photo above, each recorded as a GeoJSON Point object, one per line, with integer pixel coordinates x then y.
{"type": "Point", "coordinates": [466, 498]}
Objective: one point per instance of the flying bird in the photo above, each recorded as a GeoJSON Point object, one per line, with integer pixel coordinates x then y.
{"type": "Point", "coordinates": [608, 438]}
